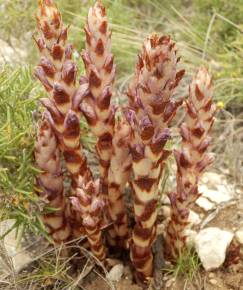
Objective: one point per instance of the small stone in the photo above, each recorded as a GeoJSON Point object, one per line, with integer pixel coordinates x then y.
{"type": "Point", "coordinates": [212, 179]}
{"type": "Point", "coordinates": [13, 53]}
{"type": "Point", "coordinates": [204, 203]}
{"type": "Point", "coordinates": [166, 211]}
{"type": "Point", "coordinates": [239, 236]}
{"type": "Point", "coordinates": [165, 199]}
{"type": "Point", "coordinates": [194, 218]}
{"type": "Point", "coordinates": [160, 229]}
{"type": "Point", "coordinates": [211, 275]}
{"type": "Point", "coordinates": [222, 194]}
{"type": "Point", "coordinates": [213, 281]}
{"type": "Point", "coordinates": [116, 273]}
{"type": "Point", "coordinates": [14, 251]}
{"type": "Point", "coordinates": [211, 245]}
{"type": "Point", "coordinates": [169, 283]}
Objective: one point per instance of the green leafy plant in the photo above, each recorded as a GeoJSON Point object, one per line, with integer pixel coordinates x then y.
{"type": "Point", "coordinates": [18, 96]}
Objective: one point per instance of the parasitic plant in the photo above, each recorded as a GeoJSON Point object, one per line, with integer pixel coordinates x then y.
{"type": "Point", "coordinates": [89, 204]}
{"type": "Point", "coordinates": [192, 159]}
{"type": "Point", "coordinates": [131, 148]}
{"type": "Point", "coordinates": [118, 176]}
{"type": "Point", "coordinates": [100, 115]}
{"type": "Point", "coordinates": [57, 73]}
{"type": "Point", "coordinates": [50, 182]}
{"type": "Point", "coordinates": [100, 72]}
{"type": "Point", "coordinates": [150, 111]}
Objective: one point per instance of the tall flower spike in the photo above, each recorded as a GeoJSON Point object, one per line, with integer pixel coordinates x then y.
{"type": "Point", "coordinates": [100, 71]}
{"type": "Point", "coordinates": [50, 182]}
{"type": "Point", "coordinates": [89, 205]}
{"type": "Point", "coordinates": [191, 159]}
{"type": "Point", "coordinates": [57, 73]}
{"type": "Point", "coordinates": [119, 173]}
{"type": "Point", "coordinates": [151, 110]}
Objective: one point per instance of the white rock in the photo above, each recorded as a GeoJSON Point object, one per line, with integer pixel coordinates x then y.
{"type": "Point", "coordinates": [194, 218]}
{"type": "Point", "coordinates": [211, 275]}
{"type": "Point", "coordinates": [9, 54]}
{"type": "Point", "coordinates": [204, 203]}
{"type": "Point", "coordinates": [211, 245]}
{"type": "Point", "coordinates": [166, 210]}
{"type": "Point", "coordinates": [19, 257]}
{"type": "Point", "coordinates": [239, 236]}
{"type": "Point", "coordinates": [218, 196]}
{"type": "Point", "coordinates": [165, 199]}
{"type": "Point", "coordinates": [222, 194]}
{"type": "Point", "coordinates": [212, 179]}
{"type": "Point", "coordinates": [213, 281]}
{"type": "Point", "coordinates": [116, 273]}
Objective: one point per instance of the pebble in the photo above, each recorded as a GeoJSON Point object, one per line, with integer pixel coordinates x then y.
{"type": "Point", "coordinates": [239, 236]}
{"type": "Point", "coordinates": [213, 281]}
{"type": "Point", "coordinates": [213, 179]}
{"type": "Point", "coordinates": [211, 245]}
{"type": "Point", "coordinates": [204, 203]}
{"type": "Point", "coordinates": [194, 218]}
{"type": "Point", "coordinates": [116, 273]}
{"type": "Point", "coordinates": [166, 211]}
{"type": "Point", "coordinates": [222, 194]}
{"type": "Point", "coordinates": [165, 199]}
{"type": "Point", "coordinates": [211, 275]}
{"type": "Point", "coordinates": [14, 251]}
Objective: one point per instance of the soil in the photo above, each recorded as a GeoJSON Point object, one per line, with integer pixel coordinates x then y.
{"type": "Point", "coordinates": [228, 216]}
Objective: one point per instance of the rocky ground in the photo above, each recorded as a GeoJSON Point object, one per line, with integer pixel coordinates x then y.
{"type": "Point", "coordinates": [216, 232]}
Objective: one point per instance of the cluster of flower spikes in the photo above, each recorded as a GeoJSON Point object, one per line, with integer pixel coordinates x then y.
{"type": "Point", "coordinates": [130, 148]}
{"type": "Point", "coordinates": [57, 73]}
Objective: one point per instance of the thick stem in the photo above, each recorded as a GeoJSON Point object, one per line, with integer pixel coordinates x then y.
{"type": "Point", "coordinates": [119, 173]}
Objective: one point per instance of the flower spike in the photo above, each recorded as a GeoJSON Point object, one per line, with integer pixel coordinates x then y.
{"type": "Point", "coordinates": [149, 114]}
{"type": "Point", "coordinates": [192, 159]}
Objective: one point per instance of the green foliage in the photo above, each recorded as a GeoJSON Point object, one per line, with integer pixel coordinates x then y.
{"type": "Point", "coordinates": [187, 265]}
{"type": "Point", "coordinates": [18, 95]}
